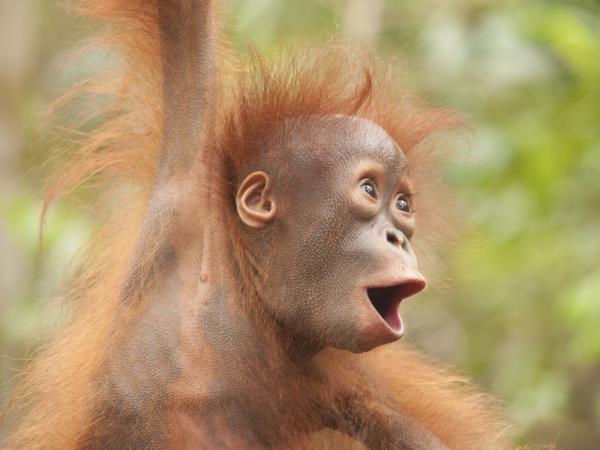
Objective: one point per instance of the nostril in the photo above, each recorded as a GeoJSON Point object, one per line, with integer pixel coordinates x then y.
{"type": "Point", "coordinates": [396, 239]}
{"type": "Point", "coordinates": [392, 238]}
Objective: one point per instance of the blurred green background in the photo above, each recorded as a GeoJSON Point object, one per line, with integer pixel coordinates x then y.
{"type": "Point", "coordinates": [520, 306]}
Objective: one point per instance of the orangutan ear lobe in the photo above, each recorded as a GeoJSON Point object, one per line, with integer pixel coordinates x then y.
{"type": "Point", "coordinates": [255, 205]}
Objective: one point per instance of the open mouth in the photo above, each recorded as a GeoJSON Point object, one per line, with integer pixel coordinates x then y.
{"type": "Point", "coordinates": [386, 300]}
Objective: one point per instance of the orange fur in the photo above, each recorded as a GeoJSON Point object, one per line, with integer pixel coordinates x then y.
{"type": "Point", "coordinates": [53, 405]}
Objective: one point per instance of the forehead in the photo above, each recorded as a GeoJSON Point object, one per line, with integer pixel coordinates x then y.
{"type": "Point", "coordinates": [332, 140]}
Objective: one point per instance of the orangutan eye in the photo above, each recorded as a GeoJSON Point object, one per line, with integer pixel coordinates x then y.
{"type": "Point", "coordinates": [369, 187]}
{"type": "Point", "coordinates": [403, 203]}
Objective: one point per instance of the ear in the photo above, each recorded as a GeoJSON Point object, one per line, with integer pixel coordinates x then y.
{"type": "Point", "coordinates": [255, 205]}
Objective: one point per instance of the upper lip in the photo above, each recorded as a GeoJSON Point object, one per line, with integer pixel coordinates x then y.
{"type": "Point", "coordinates": [385, 295]}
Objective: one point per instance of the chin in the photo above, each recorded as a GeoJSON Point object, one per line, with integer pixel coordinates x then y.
{"type": "Point", "coordinates": [367, 337]}
{"type": "Point", "coordinates": [369, 344]}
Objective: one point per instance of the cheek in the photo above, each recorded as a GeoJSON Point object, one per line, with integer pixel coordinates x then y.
{"type": "Point", "coordinates": [321, 255]}
{"type": "Point", "coordinates": [332, 267]}
{"type": "Point", "coordinates": [308, 263]}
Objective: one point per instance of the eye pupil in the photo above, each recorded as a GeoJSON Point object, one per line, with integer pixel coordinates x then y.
{"type": "Point", "coordinates": [402, 204]}
{"type": "Point", "coordinates": [368, 187]}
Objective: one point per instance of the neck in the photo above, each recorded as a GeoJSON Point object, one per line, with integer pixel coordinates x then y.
{"type": "Point", "coordinates": [247, 380]}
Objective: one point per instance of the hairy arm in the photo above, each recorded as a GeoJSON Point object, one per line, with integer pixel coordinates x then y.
{"type": "Point", "coordinates": [187, 47]}
{"type": "Point", "coordinates": [187, 54]}
{"type": "Point", "coordinates": [379, 427]}
{"type": "Point", "coordinates": [435, 400]}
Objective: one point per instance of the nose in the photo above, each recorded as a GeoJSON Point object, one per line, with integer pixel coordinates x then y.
{"type": "Point", "coordinates": [396, 238]}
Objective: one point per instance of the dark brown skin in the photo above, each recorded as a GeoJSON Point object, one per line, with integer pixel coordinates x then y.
{"type": "Point", "coordinates": [330, 239]}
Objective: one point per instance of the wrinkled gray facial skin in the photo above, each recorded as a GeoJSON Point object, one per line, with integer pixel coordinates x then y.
{"type": "Point", "coordinates": [331, 239]}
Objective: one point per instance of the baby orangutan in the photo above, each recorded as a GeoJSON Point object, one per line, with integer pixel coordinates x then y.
{"type": "Point", "coordinates": [245, 290]}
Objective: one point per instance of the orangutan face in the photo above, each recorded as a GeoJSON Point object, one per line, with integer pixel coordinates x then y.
{"type": "Point", "coordinates": [338, 201]}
